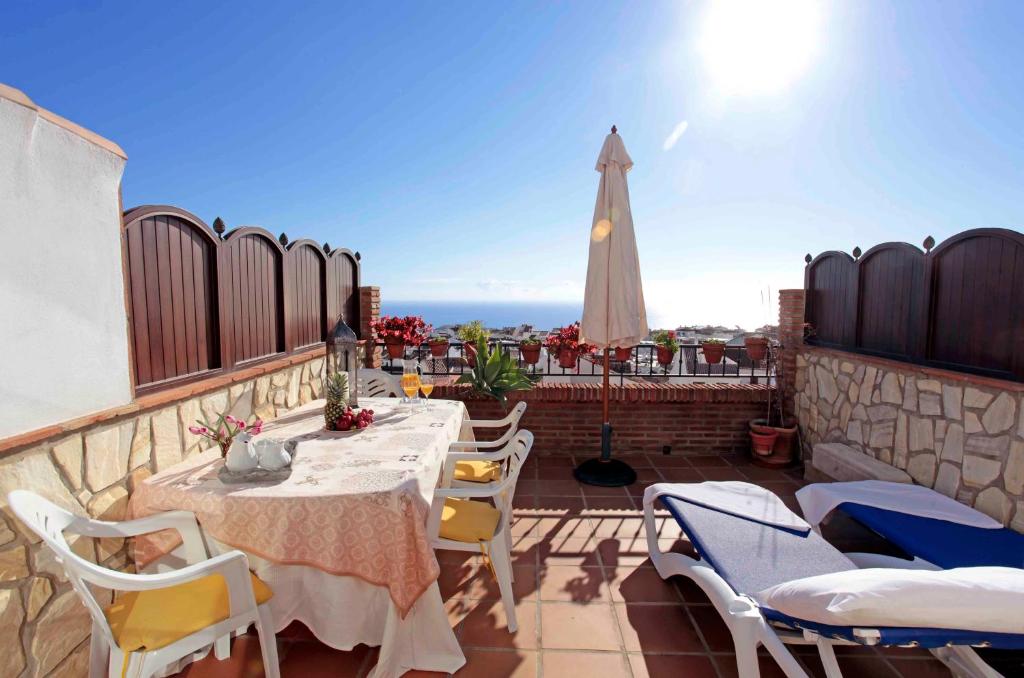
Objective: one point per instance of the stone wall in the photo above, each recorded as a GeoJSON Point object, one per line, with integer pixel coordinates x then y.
{"type": "Point", "coordinates": [91, 467]}
{"type": "Point", "coordinates": [959, 434]}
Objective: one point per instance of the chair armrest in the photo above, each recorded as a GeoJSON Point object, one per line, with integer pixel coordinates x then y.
{"type": "Point", "coordinates": [486, 423]}
{"type": "Point", "coordinates": [233, 566]}
{"type": "Point", "coordinates": [184, 522]}
{"type": "Point", "coordinates": [468, 445]}
{"type": "Point", "coordinates": [484, 491]}
{"type": "Point", "coordinates": [500, 455]}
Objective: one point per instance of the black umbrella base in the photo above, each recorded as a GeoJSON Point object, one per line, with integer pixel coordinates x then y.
{"type": "Point", "coordinates": [605, 473]}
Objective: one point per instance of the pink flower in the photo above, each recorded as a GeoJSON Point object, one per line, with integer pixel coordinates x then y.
{"type": "Point", "coordinates": [195, 430]}
{"type": "Point", "coordinates": [240, 424]}
{"type": "Point", "coordinates": [204, 430]}
{"type": "Point", "coordinates": [231, 420]}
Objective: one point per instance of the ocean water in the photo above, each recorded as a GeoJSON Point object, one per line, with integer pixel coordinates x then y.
{"type": "Point", "coordinates": [542, 316]}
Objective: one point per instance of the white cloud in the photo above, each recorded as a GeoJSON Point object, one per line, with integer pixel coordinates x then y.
{"type": "Point", "coordinates": [671, 139]}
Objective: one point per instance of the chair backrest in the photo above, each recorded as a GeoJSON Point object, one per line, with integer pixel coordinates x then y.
{"type": "Point", "coordinates": [378, 384]}
{"type": "Point", "coordinates": [50, 521]}
{"type": "Point", "coordinates": [521, 446]}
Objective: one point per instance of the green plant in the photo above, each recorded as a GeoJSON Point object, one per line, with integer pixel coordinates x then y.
{"type": "Point", "coordinates": [496, 374]}
{"type": "Point", "coordinates": [437, 339]}
{"type": "Point", "coordinates": [712, 341]}
{"type": "Point", "coordinates": [666, 338]}
{"type": "Point", "coordinates": [472, 332]}
{"type": "Point", "coordinates": [532, 340]}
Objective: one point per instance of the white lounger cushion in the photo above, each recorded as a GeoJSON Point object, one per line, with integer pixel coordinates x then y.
{"type": "Point", "coordinates": [969, 598]}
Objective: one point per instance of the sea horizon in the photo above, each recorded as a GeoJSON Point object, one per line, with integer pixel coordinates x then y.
{"type": "Point", "coordinates": [542, 315]}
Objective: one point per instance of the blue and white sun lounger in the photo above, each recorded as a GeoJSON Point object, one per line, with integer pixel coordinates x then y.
{"type": "Point", "coordinates": [930, 541]}
{"type": "Point", "coordinates": [739, 557]}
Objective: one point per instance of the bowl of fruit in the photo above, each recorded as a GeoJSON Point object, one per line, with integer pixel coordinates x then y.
{"type": "Point", "coordinates": [352, 421]}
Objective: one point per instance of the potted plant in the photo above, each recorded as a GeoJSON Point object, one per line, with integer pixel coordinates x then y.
{"type": "Point", "coordinates": [757, 347]}
{"type": "Point", "coordinates": [224, 430]}
{"type": "Point", "coordinates": [438, 346]}
{"type": "Point", "coordinates": [762, 442]}
{"type": "Point", "coordinates": [529, 349]}
{"type": "Point", "coordinates": [398, 332]}
{"type": "Point", "coordinates": [666, 345]}
{"type": "Point", "coordinates": [714, 350]}
{"type": "Point", "coordinates": [784, 447]}
{"type": "Point", "coordinates": [471, 334]}
{"type": "Point", "coordinates": [623, 353]}
{"type": "Point", "coordinates": [565, 344]}
{"type": "Point", "coordinates": [495, 374]}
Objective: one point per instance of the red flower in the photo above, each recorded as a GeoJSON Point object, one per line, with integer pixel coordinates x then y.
{"type": "Point", "coordinates": [567, 338]}
{"type": "Point", "coordinates": [410, 330]}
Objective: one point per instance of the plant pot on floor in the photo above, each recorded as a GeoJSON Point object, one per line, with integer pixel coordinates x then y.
{"type": "Point", "coordinates": [530, 353]}
{"type": "Point", "coordinates": [757, 348]}
{"type": "Point", "coordinates": [784, 450]}
{"type": "Point", "coordinates": [713, 353]}
{"type": "Point", "coordinates": [567, 358]}
{"type": "Point", "coordinates": [665, 355]}
{"type": "Point", "coordinates": [762, 443]}
{"type": "Point", "coordinates": [439, 349]}
{"type": "Point", "coordinates": [396, 349]}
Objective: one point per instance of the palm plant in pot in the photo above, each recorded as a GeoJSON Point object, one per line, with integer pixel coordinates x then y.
{"type": "Point", "coordinates": [529, 349]}
{"type": "Point", "coordinates": [714, 350]}
{"type": "Point", "coordinates": [496, 374]}
{"type": "Point", "coordinates": [565, 344]}
{"type": "Point", "coordinates": [397, 332]}
{"type": "Point", "coordinates": [471, 334]}
{"type": "Point", "coordinates": [666, 345]}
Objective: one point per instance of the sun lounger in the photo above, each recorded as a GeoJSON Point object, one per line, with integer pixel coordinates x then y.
{"type": "Point", "coordinates": [928, 540]}
{"type": "Point", "coordinates": [740, 558]}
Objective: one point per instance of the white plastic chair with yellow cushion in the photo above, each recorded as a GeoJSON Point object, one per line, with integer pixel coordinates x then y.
{"type": "Point", "coordinates": [161, 618]}
{"type": "Point", "coordinates": [460, 522]}
{"type": "Point", "coordinates": [379, 384]}
{"type": "Point", "coordinates": [473, 462]}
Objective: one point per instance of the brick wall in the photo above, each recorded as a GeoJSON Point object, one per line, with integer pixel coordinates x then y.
{"type": "Point", "coordinates": [791, 338]}
{"type": "Point", "coordinates": [369, 311]}
{"type": "Point", "coordinates": [690, 418]}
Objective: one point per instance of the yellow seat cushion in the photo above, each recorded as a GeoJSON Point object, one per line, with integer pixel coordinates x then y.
{"type": "Point", "coordinates": [468, 521]}
{"type": "Point", "coordinates": [477, 471]}
{"type": "Point", "coordinates": [154, 619]}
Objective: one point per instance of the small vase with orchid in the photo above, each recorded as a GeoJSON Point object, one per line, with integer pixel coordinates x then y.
{"type": "Point", "coordinates": [225, 429]}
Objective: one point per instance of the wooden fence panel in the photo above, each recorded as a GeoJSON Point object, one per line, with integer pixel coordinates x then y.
{"type": "Point", "coordinates": [959, 306]}
{"type": "Point", "coordinates": [307, 281]}
{"type": "Point", "coordinates": [172, 262]}
{"type": "Point", "coordinates": [200, 302]}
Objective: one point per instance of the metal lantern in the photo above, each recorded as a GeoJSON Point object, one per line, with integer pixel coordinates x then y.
{"type": "Point", "coordinates": [343, 356]}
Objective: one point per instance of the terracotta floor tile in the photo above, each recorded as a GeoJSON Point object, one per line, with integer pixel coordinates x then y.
{"type": "Point", "coordinates": [671, 666]}
{"type": "Point", "coordinates": [566, 626]}
{"type": "Point", "coordinates": [555, 461]}
{"type": "Point", "coordinates": [485, 626]}
{"type": "Point", "coordinates": [726, 664]}
{"type": "Point", "coordinates": [568, 584]}
{"type": "Point", "coordinates": [246, 661]}
{"type": "Point", "coordinates": [668, 460]}
{"type": "Point", "coordinates": [616, 551]}
{"type": "Point", "coordinates": [723, 473]}
{"type": "Point", "coordinates": [482, 585]}
{"type": "Point", "coordinates": [603, 664]}
{"type": "Point", "coordinates": [640, 585]}
{"type": "Point", "coordinates": [933, 668]}
{"type": "Point", "coordinates": [604, 504]}
{"type": "Point", "coordinates": [568, 552]}
{"type": "Point", "coordinates": [707, 460]}
{"type": "Point", "coordinates": [572, 526]}
{"type": "Point", "coordinates": [657, 628]}
{"type": "Point", "coordinates": [482, 663]}
{"type": "Point", "coordinates": [615, 526]}
{"type": "Point", "coordinates": [716, 633]}
{"type": "Point", "coordinates": [564, 487]}
{"type": "Point", "coordinates": [637, 461]}
{"type": "Point", "coordinates": [682, 475]}
{"type": "Point", "coordinates": [316, 660]}
{"type": "Point", "coordinates": [864, 663]}
{"type": "Point", "coordinates": [597, 491]}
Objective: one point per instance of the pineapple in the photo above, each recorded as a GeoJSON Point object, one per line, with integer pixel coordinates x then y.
{"type": "Point", "coordinates": [336, 389]}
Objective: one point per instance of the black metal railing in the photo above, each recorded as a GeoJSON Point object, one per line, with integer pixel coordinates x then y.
{"type": "Point", "coordinates": [688, 362]}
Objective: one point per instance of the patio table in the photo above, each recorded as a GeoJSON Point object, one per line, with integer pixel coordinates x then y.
{"type": "Point", "coordinates": [343, 541]}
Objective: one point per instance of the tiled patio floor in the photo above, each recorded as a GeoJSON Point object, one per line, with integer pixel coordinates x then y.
{"type": "Point", "coordinates": [589, 601]}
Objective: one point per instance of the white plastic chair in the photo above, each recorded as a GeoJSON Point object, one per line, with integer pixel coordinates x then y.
{"type": "Point", "coordinates": [511, 421]}
{"type": "Point", "coordinates": [378, 384]}
{"type": "Point", "coordinates": [496, 542]}
{"type": "Point", "coordinates": [106, 657]}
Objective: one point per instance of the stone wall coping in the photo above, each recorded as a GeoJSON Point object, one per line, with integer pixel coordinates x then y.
{"type": "Point", "coordinates": [17, 96]}
{"type": "Point", "coordinates": [157, 399]}
{"type": "Point", "coordinates": [646, 392]}
{"type": "Point", "coordinates": [936, 372]}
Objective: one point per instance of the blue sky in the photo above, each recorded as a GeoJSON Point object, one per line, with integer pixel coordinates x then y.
{"type": "Point", "coordinates": [453, 144]}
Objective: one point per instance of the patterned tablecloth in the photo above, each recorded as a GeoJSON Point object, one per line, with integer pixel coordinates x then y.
{"type": "Point", "coordinates": [356, 504]}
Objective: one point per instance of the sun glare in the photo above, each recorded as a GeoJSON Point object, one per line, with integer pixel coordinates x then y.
{"type": "Point", "coordinates": [758, 47]}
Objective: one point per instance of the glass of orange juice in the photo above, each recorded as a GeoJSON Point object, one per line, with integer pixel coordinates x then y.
{"type": "Point", "coordinates": [427, 387]}
{"type": "Point", "coordinates": [410, 380]}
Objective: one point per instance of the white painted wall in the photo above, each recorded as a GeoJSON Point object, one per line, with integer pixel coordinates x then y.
{"type": "Point", "coordinates": [63, 325]}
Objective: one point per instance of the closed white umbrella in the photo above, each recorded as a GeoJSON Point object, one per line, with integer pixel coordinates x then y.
{"type": "Point", "coordinates": [613, 306]}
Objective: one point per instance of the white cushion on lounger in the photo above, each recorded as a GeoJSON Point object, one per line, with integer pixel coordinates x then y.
{"type": "Point", "coordinates": [969, 598]}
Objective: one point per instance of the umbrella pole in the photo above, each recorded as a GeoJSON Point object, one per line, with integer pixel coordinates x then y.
{"type": "Point", "coordinates": [605, 471]}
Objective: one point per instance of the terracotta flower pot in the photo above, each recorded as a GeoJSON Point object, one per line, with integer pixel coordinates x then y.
{"type": "Point", "coordinates": [665, 355]}
{"type": "Point", "coordinates": [470, 352]}
{"type": "Point", "coordinates": [567, 358]}
{"type": "Point", "coordinates": [439, 349]}
{"type": "Point", "coordinates": [762, 443]}
{"type": "Point", "coordinates": [530, 353]}
{"type": "Point", "coordinates": [784, 450]}
{"type": "Point", "coordinates": [623, 353]}
{"type": "Point", "coordinates": [396, 349]}
{"type": "Point", "coordinates": [757, 348]}
{"type": "Point", "coordinates": [713, 353]}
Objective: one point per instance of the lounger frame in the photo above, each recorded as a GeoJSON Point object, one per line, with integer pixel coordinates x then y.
{"type": "Point", "coordinates": [749, 628]}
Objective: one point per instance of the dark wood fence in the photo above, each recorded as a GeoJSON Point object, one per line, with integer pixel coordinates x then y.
{"type": "Point", "coordinates": [958, 306]}
{"type": "Point", "coordinates": [201, 302]}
